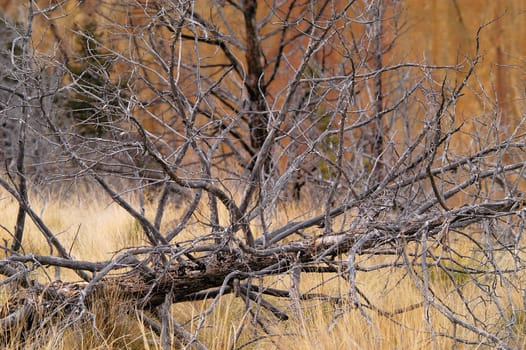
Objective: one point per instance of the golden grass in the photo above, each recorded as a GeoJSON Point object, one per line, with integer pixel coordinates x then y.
{"type": "Point", "coordinates": [96, 229]}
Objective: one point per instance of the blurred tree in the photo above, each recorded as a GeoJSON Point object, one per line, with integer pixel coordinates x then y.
{"type": "Point", "coordinates": [93, 101]}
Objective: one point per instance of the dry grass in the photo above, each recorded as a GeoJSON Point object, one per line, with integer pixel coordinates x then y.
{"type": "Point", "coordinates": [96, 229]}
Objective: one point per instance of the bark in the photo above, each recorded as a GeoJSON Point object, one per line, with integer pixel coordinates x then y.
{"type": "Point", "coordinates": [257, 117]}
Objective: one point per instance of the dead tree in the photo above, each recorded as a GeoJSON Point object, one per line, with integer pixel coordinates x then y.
{"type": "Point", "coordinates": [231, 103]}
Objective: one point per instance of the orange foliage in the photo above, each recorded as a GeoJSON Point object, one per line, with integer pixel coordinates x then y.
{"type": "Point", "coordinates": [443, 32]}
{"type": "Point", "coordinates": [435, 32]}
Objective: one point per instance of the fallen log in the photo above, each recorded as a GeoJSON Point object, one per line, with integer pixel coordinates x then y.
{"type": "Point", "coordinates": [151, 275]}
